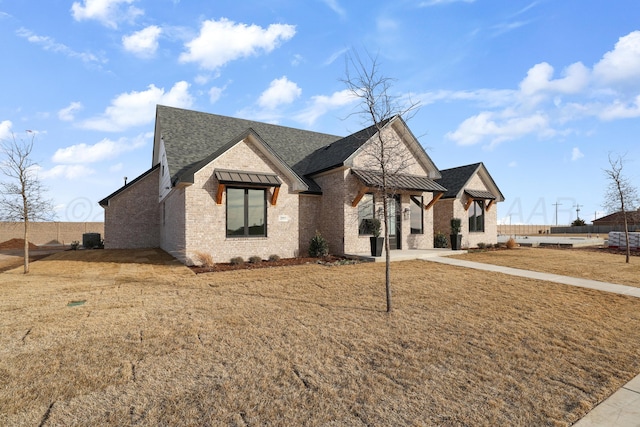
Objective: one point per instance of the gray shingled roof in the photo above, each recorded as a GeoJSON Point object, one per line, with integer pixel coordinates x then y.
{"type": "Point", "coordinates": [400, 181]}
{"type": "Point", "coordinates": [455, 178]}
{"type": "Point", "coordinates": [190, 137]}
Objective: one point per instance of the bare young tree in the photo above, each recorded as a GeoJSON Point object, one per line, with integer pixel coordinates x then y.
{"type": "Point", "coordinates": [385, 155]}
{"type": "Point", "coordinates": [22, 198]}
{"type": "Point", "coordinates": [621, 195]}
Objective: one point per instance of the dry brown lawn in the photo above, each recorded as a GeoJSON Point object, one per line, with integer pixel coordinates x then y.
{"type": "Point", "coordinates": [153, 344]}
{"type": "Point", "coordinates": [583, 263]}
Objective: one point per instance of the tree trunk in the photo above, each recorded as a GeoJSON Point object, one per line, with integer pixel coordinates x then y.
{"type": "Point", "coordinates": [626, 235]}
{"type": "Point", "coordinates": [26, 245]}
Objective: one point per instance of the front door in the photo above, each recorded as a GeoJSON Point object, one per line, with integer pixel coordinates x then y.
{"type": "Point", "coordinates": [395, 222]}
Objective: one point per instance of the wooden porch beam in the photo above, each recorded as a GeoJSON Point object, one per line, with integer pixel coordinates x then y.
{"type": "Point", "coordinates": [489, 204]}
{"type": "Point", "coordinates": [219, 193]}
{"type": "Point", "coordinates": [274, 196]}
{"type": "Point", "coordinates": [359, 196]}
{"type": "Point", "coordinates": [469, 201]}
{"type": "Point", "coordinates": [433, 201]}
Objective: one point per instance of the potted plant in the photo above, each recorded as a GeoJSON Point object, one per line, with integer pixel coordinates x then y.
{"type": "Point", "coordinates": [455, 236]}
{"type": "Point", "coordinates": [376, 241]}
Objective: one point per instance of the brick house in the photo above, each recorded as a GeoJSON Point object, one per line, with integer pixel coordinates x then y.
{"type": "Point", "coordinates": [233, 187]}
{"type": "Point", "coordinates": [471, 195]}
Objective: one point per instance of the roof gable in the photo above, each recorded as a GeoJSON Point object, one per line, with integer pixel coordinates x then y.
{"type": "Point", "coordinates": [456, 179]}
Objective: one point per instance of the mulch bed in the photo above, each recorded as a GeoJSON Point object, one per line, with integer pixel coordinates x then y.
{"type": "Point", "coordinates": [226, 266]}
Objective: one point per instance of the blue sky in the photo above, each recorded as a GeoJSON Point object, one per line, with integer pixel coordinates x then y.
{"type": "Point", "coordinates": [540, 91]}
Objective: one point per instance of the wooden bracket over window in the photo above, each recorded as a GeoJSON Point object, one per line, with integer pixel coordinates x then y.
{"type": "Point", "coordinates": [219, 193]}
{"type": "Point", "coordinates": [274, 196]}
{"type": "Point", "coordinates": [359, 196]}
{"type": "Point", "coordinates": [469, 201]}
{"type": "Point", "coordinates": [433, 201]}
{"type": "Point", "coordinates": [489, 204]}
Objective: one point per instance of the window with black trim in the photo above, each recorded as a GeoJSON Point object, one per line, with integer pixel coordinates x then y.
{"type": "Point", "coordinates": [476, 216]}
{"type": "Point", "coordinates": [416, 212]}
{"type": "Point", "coordinates": [365, 215]}
{"type": "Point", "coordinates": [246, 212]}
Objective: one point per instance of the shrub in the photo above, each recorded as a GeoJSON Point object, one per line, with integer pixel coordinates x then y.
{"type": "Point", "coordinates": [511, 243]}
{"type": "Point", "coordinates": [318, 246]}
{"type": "Point", "coordinates": [204, 259]}
{"type": "Point", "coordinates": [75, 245]}
{"type": "Point", "coordinates": [238, 260]}
{"type": "Point", "coordinates": [440, 240]}
{"type": "Point", "coordinates": [274, 258]}
{"type": "Point", "coordinates": [255, 259]}
{"type": "Point", "coordinates": [579, 222]}
{"type": "Point", "coordinates": [482, 245]}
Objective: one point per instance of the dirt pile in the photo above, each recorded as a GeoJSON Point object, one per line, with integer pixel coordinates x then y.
{"type": "Point", "coordinates": [15, 244]}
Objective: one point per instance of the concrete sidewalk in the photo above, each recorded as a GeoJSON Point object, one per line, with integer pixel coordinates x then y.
{"type": "Point", "coordinates": [622, 408]}
{"type": "Point", "coordinates": [556, 278]}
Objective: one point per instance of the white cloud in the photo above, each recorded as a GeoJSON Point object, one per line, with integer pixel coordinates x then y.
{"type": "Point", "coordinates": [545, 106]}
{"type": "Point", "coordinates": [49, 44]}
{"type": "Point", "coordinates": [622, 64]}
{"type": "Point", "coordinates": [220, 42]}
{"type": "Point", "coordinates": [5, 130]}
{"type": "Point", "coordinates": [215, 93]}
{"type": "Point", "coordinates": [117, 167]}
{"type": "Point", "coordinates": [107, 12]}
{"type": "Point", "coordinates": [333, 5]}
{"type": "Point", "coordinates": [621, 110]}
{"type": "Point", "coordinates": [513, 164]}
{"type": "Point", "coordinates": [497, 128]}
{"type": "Point", "coordinates": [540, 79]}
{"type": "Point", "coordinates": [280, 91]}
{"type": "Point", "coordinates": [103, 150]}
{"type": "Point", "coordinates": [335, 56]}
{"type": "Point", "coordinates": [66, 171]}
{"type": "Point", "coordinates": [67, 114]}
{"type": "Point", "coordinates": [138, 108]}
{"type": "Point", "coordinates": [576, 154]}
{"type": "Point", "coordinates": [320, 104]}
{"type": "Point", "coordinates": [143, 43]}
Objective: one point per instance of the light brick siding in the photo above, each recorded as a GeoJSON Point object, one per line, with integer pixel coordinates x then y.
{"type": "Point", "coordinates": [132, 217]}
{"type": "Point", "coordinates": [50, 233]}
{"type": "Point", "coordinates": [172, 227]}
{"type": "Point", "coordinates": [205, 220]}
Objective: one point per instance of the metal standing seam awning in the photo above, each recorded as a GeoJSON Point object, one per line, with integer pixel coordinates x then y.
{"type": "Point", "coordinates": [251, 179]}
{"type": "Point", "coordinates": [479, 195]}
{"type": "Point", "coordinates": [372, 179]}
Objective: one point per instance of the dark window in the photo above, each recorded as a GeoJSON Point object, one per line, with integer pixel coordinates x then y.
{"type": "Point", "coordinates": [365, 215]}
{"type": "Point", "coordinates": [476, 216]}
{"type": "Point", "coordinates": [246, 212]}
{"type": "Point", "coordinates": [416, 212]}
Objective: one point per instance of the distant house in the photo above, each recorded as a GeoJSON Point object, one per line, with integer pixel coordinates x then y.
{"type": "Point", "coordinates": [232, 187]}
{"type": "Point", "coordinates": [616, 220]}
{"type": "Point", "coordinates": [471, 195]}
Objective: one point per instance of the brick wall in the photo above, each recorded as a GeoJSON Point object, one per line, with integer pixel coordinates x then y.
{"type": "Point", "coordinates": [131, 220]}
{"type": "Point", "coordinates": [172, 224]}
{"type": "Point", "coordinates": [205, 220]}
{"type": "Point", "coordinates": [50, 233]}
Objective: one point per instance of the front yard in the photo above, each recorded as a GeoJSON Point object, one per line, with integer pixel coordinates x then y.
{"type": "Point", "coordinates": [148, 342]}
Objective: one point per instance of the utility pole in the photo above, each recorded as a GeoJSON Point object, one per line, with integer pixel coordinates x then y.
{"type": "Point", "coordinates": [577, 206]}
{"type": "Point", "coordinates": [556, 204]}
